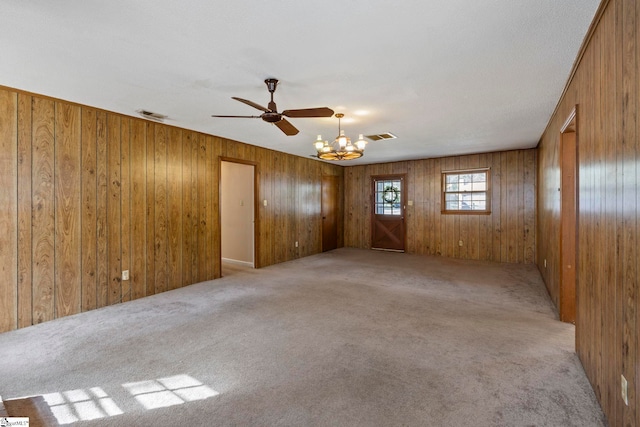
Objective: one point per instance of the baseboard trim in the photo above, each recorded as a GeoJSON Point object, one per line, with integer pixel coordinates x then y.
{"type": "Point", "coordinates": [3, 411]}
{"type": "Point", "coordinates": [238, 262]}
{"type": "Point", "coordinates": [387, 250]}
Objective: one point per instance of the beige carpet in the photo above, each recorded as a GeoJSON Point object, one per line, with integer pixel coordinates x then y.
{"type": "Point", "coordinates": [346, 338]}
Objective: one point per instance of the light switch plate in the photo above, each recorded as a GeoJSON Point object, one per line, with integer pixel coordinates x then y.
{"type": "Point", "coordinates": [623, 384]}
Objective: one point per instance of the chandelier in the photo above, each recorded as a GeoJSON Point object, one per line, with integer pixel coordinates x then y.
{"type": "Point", "coordinates": [341, 148]}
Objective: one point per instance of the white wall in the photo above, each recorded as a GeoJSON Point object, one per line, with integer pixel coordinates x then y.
{"type": "Point", "coordinates": [237, 212]}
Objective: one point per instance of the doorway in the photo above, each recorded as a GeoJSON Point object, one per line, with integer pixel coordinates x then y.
{"type": "Point", "coordinates": [568, 218]}
{"type": "Point", "coordinates": [387, 222]}
{"type": "Point", "coordinates": [330, 203]}
{"type": "Point", "coordinates": [237, 213]}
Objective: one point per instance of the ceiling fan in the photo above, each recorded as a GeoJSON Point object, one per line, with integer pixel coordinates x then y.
{"type": "Point", "coordinates": [271, 114]}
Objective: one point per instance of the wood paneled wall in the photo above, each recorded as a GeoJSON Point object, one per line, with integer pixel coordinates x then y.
{"type": "Point", "coordinates": [506, 235]}
{"type": "Point", "coordinates": [87, 194]}
{"type": "Point", "coordinates": [606, 91]}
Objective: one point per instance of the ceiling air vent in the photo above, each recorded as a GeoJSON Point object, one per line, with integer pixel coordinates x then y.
{"type": "Point", "coordinates": [381, 136]}
{"type": "Point", "coordinates": [151, 115]}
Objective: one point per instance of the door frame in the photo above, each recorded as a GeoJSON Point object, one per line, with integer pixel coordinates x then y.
{"type": "Point", "coordinates": [256, 217]}
{"type": "Point", "coordinates": [568, 245]}
{"type": "Point", "coordinates": [372, 187]}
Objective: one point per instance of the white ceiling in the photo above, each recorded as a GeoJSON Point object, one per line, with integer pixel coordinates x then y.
{"type": "Point", "coordinates": [447, 77]}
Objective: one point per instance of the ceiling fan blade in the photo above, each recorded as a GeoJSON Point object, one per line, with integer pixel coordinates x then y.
{"type": "Point", "coordinates": [237, 117]}
{"type": "Point", "coordinates": [309, 112]}
{"type": "Point", "coordinates": [251, 103]}
{"type": "Point", "coordinates": [287, 127]}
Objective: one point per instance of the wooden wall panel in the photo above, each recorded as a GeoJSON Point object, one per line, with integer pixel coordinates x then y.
{"type": "Point", "coordinates": [190, 199]}
{"type": "Point", "coordinates": [25, 240]}
{"type": "Point", "coordinates": [605, 91]}
{"type": "Point", "coordinates": [529, 205]}
{"type": "Point", "coordinates": [504, 201]}
{"type": "Point", "coordinates": [278, 227]}
{"type": "Point", "coordinates": [91, 193]}
{"type": "Point", "coordinates": [67, 210]}
{"type": "Point", "coordinates": [217, 148]}
{"type": "Point", "coordinates": [292, 199]}
{"type": "Point", "coordinates": [43, 224]}
{"type": "Point", "coordinates": [138, 166]}
{"type": "Point", "coordinates": [8, 210]}
{"type": "Point", "coordinates": [505, 235]}
{"type": "Point", "coordinates": [210, 226]}
{"type": "Point", "coordinates": [463, 225]}
{"type": "Point", "coordinates": [88, 230]}
{"type": "Point", "coordinates": [202, 208]}
{"type": "Point", "coordinates": [266, 213]}
{"type": "Point", "coordinates": [174, 223]}
{"type": "Point", "coordinates": [125, 205]}
{"type": "Point", "coordinates": [449, 224]}
{"type": "Point", "coordinates": [610, 390]}
{"type": "Point", "coordinates": [630, 194]}
{"type": "Point", "coordinates": [114, 210]}
{"type": "Point", "coordinates": [102, 197]}
{"type": "Point", "coordinates": [150, 209]}
{"type": "Point", "coordinates": [497, 182]}
{"type": "Point", "coordinates": [160, 209]}
{"type": "Point", "coordinates": [195, 213]}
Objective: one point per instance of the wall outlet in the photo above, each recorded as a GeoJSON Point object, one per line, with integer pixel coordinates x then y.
{"type": "Point", "coordinates": [264, 202]}
{"type": "Point", "coordinates": [125, 275]}
{"type": "Point", "coordinates": [460, 243]}
{"type": "Point", "coordinates": [623, 384]}
{"type": "Point", "coordinates": [296, 243]}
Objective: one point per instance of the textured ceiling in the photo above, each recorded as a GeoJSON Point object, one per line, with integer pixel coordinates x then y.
{"type": "Point", "coordinates": [447, 77]}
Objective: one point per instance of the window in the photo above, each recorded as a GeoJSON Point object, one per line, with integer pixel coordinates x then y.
{"type": "Point", "coordinates": [466, 192]}
{"type": "Point", "coordinates": [388, 196]}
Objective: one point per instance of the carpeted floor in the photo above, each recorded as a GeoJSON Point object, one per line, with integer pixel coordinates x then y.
{"type": "Point", "coordinates": [345, 338]}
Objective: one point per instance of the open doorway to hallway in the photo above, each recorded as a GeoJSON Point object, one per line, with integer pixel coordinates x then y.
{"type": "Point", "coordinates": [237, 215]}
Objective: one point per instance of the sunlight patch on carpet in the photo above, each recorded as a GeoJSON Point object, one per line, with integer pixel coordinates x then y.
{"type": "Point", "coordinates": [169, 391]}
{"type": "Point", "coordinates": [81, 405]}
{"type": "Point", "coordinates": [72, 406]}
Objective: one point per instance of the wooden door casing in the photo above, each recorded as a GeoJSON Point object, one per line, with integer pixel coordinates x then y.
{"type": "Point", "coordinates": [568, 218]}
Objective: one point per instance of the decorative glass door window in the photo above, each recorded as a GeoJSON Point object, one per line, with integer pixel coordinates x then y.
{"type": "Point", "coordinates": [388, 197]}
{"type": "Point", "coordinates": [466, 191]}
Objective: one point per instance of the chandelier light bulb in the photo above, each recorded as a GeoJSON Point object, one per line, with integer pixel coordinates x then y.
{"type": "Point", "coordinates": [319, 143]}
{"type": "Point", "coordinates": [342, 140]}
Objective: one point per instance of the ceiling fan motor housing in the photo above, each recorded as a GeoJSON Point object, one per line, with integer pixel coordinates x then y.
{"type": "Point", "coordinates": [271, 117]}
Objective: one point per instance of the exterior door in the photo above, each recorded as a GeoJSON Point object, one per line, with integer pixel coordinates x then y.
{"type": "Point", "coordinates": [388, 213]}
{"type": "Point", "coordinates": [330, 195]}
